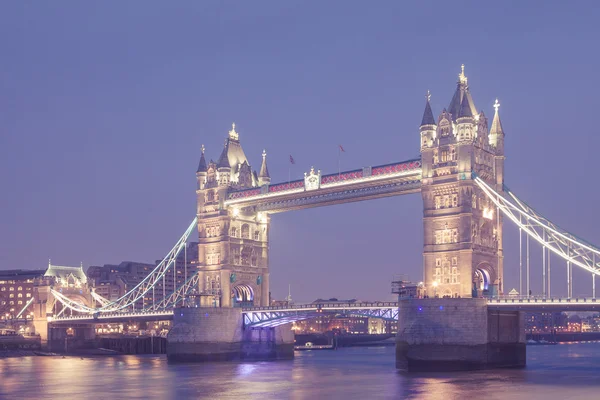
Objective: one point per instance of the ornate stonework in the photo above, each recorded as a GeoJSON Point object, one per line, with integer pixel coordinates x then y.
{"type": "Point", "coordinates": [462, 253]}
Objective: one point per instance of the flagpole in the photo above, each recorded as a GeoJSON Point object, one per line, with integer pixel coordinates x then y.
{"type": "Point", "coordinates": [339, 157]}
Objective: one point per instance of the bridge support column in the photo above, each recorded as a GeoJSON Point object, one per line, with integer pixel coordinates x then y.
{"type": "Point", "coordinates": [457, 334]}
{"type": "Point", "coordinates": [218, 334]}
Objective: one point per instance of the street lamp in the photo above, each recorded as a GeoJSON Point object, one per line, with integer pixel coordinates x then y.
{"type": "Point", "coordinates": [435, 285]}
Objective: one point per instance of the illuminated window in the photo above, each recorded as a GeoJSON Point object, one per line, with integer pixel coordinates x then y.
{"type": "Point", "coordinates": [20, 295]}
{"type": "Point", "coordinates": [455, 200]}
{"type": "Point", "coordinates": [438, 203]}
{"type": "Point", "coordinates": [12, 296]}
{"type": "Point", "coordinates": [12, 289]}
{"type": "Point", "coordinates": [3, 289]}
{"type": "Point", "coordinates": [20, 288]}
{"type": "Point", "coordinates": [20, 302]}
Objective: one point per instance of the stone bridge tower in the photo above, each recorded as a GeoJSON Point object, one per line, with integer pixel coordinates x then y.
{"type": "Point", "coordinates": [233, 243]}
{"type": "Point", "coordinates": [462, 253]}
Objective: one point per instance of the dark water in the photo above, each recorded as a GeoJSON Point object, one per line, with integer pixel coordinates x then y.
{"type": "Point", "coordinates": [568, 371]}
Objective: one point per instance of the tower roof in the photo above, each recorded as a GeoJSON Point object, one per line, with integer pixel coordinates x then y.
{"type": "Point", "coordinates": [428, 114]}
{"type": "Point", "coordinates": [202, 164]}
{"type": "Point", "coordinates": [465, 108]}
{"type": "Point", "coordinates": [264, 171]}
{"type": "Point", "coordinates": [223, 159]}
{"type": "Point", "coordinates": [496, 124]}
{"type": "Point", "coordinates": [462, 91]}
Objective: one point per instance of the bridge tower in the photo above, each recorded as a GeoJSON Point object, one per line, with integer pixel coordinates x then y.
{"type": "Point", "coordinates": [462, 253]}
{"type": "Point", "coordinates": [233, 243]}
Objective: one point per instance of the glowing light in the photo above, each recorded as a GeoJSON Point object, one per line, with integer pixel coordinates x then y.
{"type": "Point", "coordinates": [49, 319]}
{"type": "Point", "coordinates": [235, 212]}
{"type": "Point", "coordinates": [488, 213]}
{"type": "Point", "coordinates": [435, 283]}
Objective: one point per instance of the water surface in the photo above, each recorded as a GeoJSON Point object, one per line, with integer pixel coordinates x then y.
{"type": "Point", "coordinates": [567, 371]}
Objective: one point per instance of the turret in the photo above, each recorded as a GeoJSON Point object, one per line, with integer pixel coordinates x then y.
{"type": "Point", "coordinates": [428, 127]}
{"type": "Point", "coordinates": [465, 122]}
{"type": "Point", "coordinates": [201, 172]}
{"type": "Point", "coordinates": [497, 133]}
{"type": "Point", "coordinates": [263, 176]}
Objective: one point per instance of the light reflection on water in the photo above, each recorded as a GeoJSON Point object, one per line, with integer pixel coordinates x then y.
{"type": "Point", "coordinates": [553, 372]}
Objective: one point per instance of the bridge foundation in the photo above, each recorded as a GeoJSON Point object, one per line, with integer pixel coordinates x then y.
{"type": "Point", "coordinates": [457, 334]}
{"type": "Point", "coordinates": [217, 334]}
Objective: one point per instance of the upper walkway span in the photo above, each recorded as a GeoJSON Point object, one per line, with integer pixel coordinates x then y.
{"type": "Point", "coordinates": [319, 190]}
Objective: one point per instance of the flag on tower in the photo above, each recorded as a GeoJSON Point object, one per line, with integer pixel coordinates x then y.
{"type": "Point", "coordinates": [341, 148]}
{"type": "Point", "coordinates": [292, 160]}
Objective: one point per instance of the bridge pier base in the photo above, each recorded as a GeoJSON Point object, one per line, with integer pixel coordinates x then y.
{"type": "Point", "coordinates": [458, 334]}
{"type": "Point", "coordinates": [217, 334]}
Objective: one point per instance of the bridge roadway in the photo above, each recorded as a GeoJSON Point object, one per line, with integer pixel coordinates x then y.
{"type": "Point", "coordinates": [279, 315]}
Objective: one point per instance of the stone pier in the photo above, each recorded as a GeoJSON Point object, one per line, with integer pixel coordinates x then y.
{"type": "Point", "coordinates": [457, 334]}
{"type": "Point", "coordinates": [218, 334]}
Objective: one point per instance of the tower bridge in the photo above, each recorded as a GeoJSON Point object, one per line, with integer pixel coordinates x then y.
{"type": "Point", "coordinates": [460, 176]}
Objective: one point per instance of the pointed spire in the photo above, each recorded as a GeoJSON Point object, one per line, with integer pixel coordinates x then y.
{"type": "Point", "coordinates": [465, 108]}
{"type": "Point", "coordinates": [428, 114]}
{"type": "Point", "coordinates": [202, 164]}
{"type": "Point", "coordinates": [264, 171]}
{"type": "Point", "coordinates": [223, 159]}
{"type": "Point", "coordinates": [496, 124]}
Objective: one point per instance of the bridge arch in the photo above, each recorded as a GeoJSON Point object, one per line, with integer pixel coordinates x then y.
{"type": "Point", "coordinates": [243, 295]}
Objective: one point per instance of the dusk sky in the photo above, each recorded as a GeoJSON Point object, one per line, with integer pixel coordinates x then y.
{"type": "Point", "coordinates": [104, 107]}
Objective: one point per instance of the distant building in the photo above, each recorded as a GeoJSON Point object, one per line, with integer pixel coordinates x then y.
{"type": "Point", "coordinates": [545, 321]}
{"type": "Point", "coordinates": [16, 289]}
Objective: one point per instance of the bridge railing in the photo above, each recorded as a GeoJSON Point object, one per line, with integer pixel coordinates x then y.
{"type": "Point", "coordinates": [541, 299]}
{"type": "Point", "coordinates": [321, 306]}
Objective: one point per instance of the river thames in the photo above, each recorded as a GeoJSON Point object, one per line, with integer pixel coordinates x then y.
{"type": "Point", "coordinates": [564, 371]}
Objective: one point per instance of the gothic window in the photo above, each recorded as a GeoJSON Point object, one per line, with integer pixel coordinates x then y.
{"type": "Point", "coordinates": [446, 201]}
{"type": "Point", "coordinates": [435, 156]}
{"type": "Point", "coordinates": [210, 196]}
{"type": "Point", "coordinates": [445, 156]}
{"type": "Point", "coordinates": [236, 255]}
{"type": "Point", "coordinates": [438, 271]}
{"type": "Point", "coordinates": [454, 235]}
{"type": "Point", "coordinates": [437, 202]}
{"type": "Point", "coordinates": [256, 235]}
{"type": "Point", "coordinates": [454, 260]}
{"type": "Point", "coordinates": [474, 201]}
{"type": "Point", "coordinates": [254, 259]}
{"type": "Point", "coordinates": [234, 231]}
{"type": "Point", "coordinates": [452, 154]}
{"type": "Point", "coordinates": [438, 262]}
{"type": "Point", "coordinates": [245, 231]}
{"type": "Point", "coordinates": [454, 200]}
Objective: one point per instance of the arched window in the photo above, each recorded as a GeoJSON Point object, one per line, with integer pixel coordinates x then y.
{"type": "Point", "coordinates": [245, 231]}
{"type": "Point", "coordinates": [20, 288]}
{"type": "Point", "coordinates": [234, 232]}
{"type": "Point", "coordinates": [20, 295]}
{"type": "Point", "coordinates": [256, 235]}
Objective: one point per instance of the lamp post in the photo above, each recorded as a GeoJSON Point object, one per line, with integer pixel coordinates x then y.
{"type": "Point", "coordinates": [435, 285]}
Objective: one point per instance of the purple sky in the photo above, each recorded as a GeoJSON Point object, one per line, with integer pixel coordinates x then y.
{"type": "Point", "coordinates": [104, 106]}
